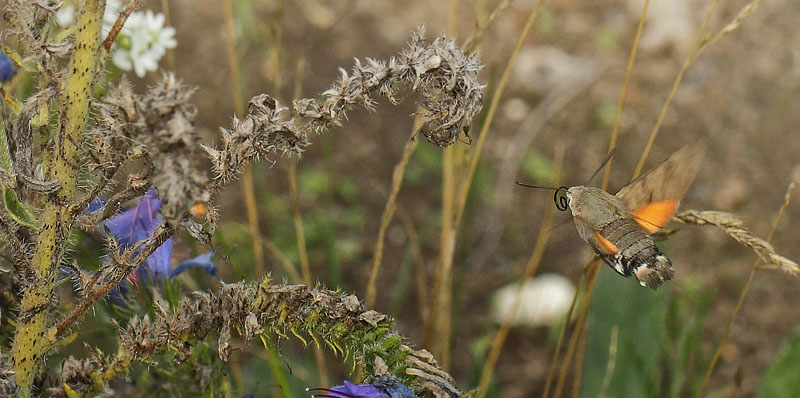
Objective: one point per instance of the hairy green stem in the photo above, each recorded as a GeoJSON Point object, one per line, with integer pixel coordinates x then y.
{"type": "Point", "coordinates": [31, 341]}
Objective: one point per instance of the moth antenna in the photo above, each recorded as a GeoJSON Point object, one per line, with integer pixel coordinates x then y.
{"type": "Point", "coordinates": [605, 161]}
{"type": "Point", "coordinates": [559, 197]}
{"type": "Point", "coordinates": [533, 186]}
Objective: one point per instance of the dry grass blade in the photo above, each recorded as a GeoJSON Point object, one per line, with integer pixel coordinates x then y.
{"type": "Point", "coordinates": [592, 270]}
{"type": "Point", "coordinates": [530, 269]}
{"type": "Point", "coordinates": [388, 213]}
{"type": "Point", "coordinates": [697, 48]}
{"type": "Point", "coordinates": [736, 22]}
{"type": "Point", "coordinates": [482, 27]}
{"type": "Point", "coordinates": [718, 352]}
{"type": "Point", "coordinates": [624, 91]}
{"type": "Point", "coordinates": [452, 221]}
{"type": "Point", "coordinates": [248, 183]}
{"type": "Point", "coordinates": [735, 228]}
{"type": "Point", "coordinates": [612, 360]}
{"type": "Point", "coordinates": [287, 265]}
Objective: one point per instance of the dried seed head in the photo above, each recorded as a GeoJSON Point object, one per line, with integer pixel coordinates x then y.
{"type": "Point", "coordinates": [443, 74]}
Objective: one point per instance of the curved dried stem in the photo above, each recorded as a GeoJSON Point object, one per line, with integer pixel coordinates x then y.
{"type": "Point", "coordinates": [733, 228]}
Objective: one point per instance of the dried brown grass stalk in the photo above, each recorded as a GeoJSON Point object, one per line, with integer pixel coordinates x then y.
{"type": "Point", "coordinates": [530, 268]}
{"type": "Point", "coordinates": [735, 228]}
{"type": "Point", "coordinates": [718, 352]}
{"type": "Point", "coordinates": [388, 213]}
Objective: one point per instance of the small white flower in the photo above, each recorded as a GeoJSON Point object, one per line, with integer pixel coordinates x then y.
{"type": "Point", "coordinates": [544, 300]}
{"type": "Point", "coordinates": [142, 42]}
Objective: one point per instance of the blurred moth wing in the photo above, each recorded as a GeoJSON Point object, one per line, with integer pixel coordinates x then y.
{"type": "Point", "coordinates": [618, 226]}
{"type": "Point", "coordinates": [654, 197]}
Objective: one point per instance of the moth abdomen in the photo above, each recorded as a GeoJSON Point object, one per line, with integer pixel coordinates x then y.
{"type": "Point", "coordinates": [636, 254]}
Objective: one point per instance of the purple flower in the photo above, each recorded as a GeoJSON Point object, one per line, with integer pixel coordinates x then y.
{"type": "Point", "coordinates": [139, 223]}
{"type": "Point", "coordinates": [7, 69]}
{"type": "Point", "coordinates": [382, 387]}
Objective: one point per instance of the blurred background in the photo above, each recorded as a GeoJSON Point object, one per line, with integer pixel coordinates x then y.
{"type": "Point", "coordinates": [740, 96]}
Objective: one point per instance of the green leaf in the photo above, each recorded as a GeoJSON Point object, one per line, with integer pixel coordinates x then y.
{"type": "Point", "coordinates": [783, 376]}
{"type": "Point", "coordinates": [639, 313]}
{"type": "Point", "coordinates": [18, 210]}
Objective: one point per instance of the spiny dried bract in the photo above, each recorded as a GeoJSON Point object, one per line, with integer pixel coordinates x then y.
{"type": "Point", "coordinates": [447, 79]}
{"type": "Point", "coordinates": [158, 125]}
{"type": "Point", "coordinates": [79, 374]}
{"type": "Point", "coordinates": [138, 339]}
{"type": "Point", "coordinates": [262, 132]}
{"type": "Point", "coordinates": [27, 19]}
{"type": "Point", "coordinates": [445, 76]}
{"type": "Point", "coordinates": [174, 146]}
{"type": "Point", "coordinates": [113, 140]}
{"type": "Point", "coordinates": [21, 139]}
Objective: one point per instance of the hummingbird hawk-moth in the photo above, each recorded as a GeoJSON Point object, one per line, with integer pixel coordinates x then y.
{"type": "Point", "coordinates": [618, 227]}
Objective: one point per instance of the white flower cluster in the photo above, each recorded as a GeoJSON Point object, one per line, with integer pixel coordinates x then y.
{"type": "Point", "coordinates": [142, 42]}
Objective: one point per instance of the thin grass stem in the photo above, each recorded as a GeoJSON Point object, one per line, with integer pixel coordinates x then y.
{"type": "Point", "coordinates": [696, 48]}
{"type": "Point", "coordinates": [623, 94]}
{"type": "Point", "coordinates": [419, 262]}
{"type": "Point", "coordinates": [305, 267]}
{"type": "Point", "coordinates": [388, 214]}
{"type": "Point", "coordinates": [438, 334]}
{"type": "Point", "coordinates": [450, 227]}
{"type": "Point", "coordinates": [302, 250]}
{"type": "Point", "coordinates": [287, 265]}
{"type": "Point", "coordinates": [168, 22]}
{"type": "Point", "coordinates": [718, 352]}
{"type": "Point", "coordinates": [612, 361]}
{"type": "Point", "coordinates": [530, 269]}
{"type": "Point", "coordinates": [560, 341]}
{"type": "Point", "coordinates": [593, 269]}
{"type": "Point", "coordinates": [248, 183]}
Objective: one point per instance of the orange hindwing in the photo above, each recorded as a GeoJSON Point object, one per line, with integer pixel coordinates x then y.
{"type": "Point", "coordinates": [605, 245]}
{"type": "Point", "coordinates": [653, 216]}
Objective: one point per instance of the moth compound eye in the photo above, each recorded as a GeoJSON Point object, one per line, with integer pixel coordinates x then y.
{"type": "Point", "coordinates": [562, 197]}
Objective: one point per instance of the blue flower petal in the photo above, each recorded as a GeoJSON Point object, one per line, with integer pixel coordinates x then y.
{"type": "Point", "coordinates": [359, 390]}
{"type": "Point", "coordinates": [137, 223]}
{"type": "Point", "coordinates": [158, 262]}
{"type": "Point", "coordinates": [202, 261]}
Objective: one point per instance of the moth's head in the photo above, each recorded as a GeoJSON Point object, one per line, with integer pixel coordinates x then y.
{"type": "Point", "coordinates": [581, 199]}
